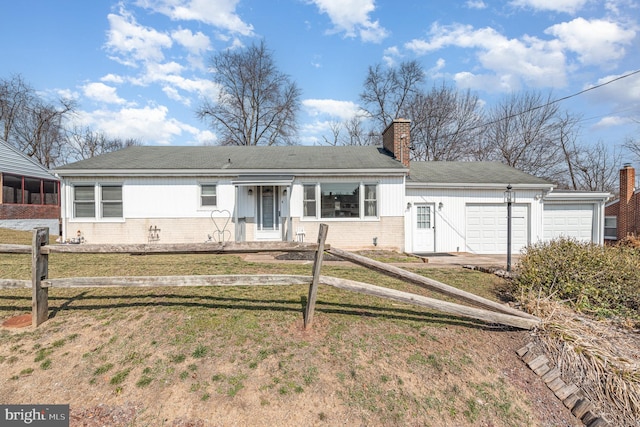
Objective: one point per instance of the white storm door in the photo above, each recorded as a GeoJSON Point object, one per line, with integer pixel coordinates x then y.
{"type": "Point", "coordinates": [423, 227]}
{"type": "Point", "coordinates": [268, 206]}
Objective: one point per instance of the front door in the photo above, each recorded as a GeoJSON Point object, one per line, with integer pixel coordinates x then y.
{"type": "Point", "coordinates": [423, 228]}
{"type": "Point", "coordinates": [268, 215]}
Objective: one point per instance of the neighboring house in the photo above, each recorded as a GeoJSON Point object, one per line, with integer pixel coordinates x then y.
{"type": "Point", "coordinates": [30, 195]}
{"type": "Point", "coordinates": [622, 215]}
{"type": "Point", "coordinates": [369, 196]}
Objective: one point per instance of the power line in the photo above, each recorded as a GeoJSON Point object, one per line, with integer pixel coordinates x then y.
{"type": "Point", "coordinates": [511, 116]}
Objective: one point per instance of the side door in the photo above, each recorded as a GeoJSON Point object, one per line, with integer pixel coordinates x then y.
{"type": "Point", "coordinates": [423, 227]}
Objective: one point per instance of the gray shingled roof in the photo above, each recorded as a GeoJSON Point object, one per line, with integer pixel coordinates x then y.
{"type": "Point", "coordinates": [470, 173]}
{"type": "Point", "coordinates": [14, 162]}
{"type": "Point", "coordinates": [234, 157]}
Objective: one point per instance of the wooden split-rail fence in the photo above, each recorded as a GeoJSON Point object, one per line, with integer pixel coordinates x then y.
{"type": "Point", "coordinates": [483, 309]}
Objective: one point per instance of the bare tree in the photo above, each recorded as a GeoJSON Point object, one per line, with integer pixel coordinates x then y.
{"type": "Point", "coordinates": [35, 126]}
{"type": "Point", "coordinates": [257, 104]}
{"type": "Point", "coordinates": [15, 97]}
{"type": "Point", "coordinates": [446, 124]}
{"type": "Point", "coordinates": [633, 145]}
{"type": "Point", "coordinates": [596, 168]}
{"type": "Point", "coordinates": [86, 143]}
{"type": "Point", "coordinates": [523, 131]}
{"type": "Point", "coordinates": [335, 128]}
{"type": "Point", "coordinates": [387, 92]}
{"type": "Point", "coordinates": [358, 133]}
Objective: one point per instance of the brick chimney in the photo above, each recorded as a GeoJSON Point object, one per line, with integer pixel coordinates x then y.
{"type": "Point", "coordinates": [626, 206]}
{"type": "Point", "coordinates": [396, 139]}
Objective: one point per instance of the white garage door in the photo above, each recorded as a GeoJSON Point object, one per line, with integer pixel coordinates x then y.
{"type": "Point", "coordinates": [487, 228]}
{"type": "Point", "coordinates": [574, 220]}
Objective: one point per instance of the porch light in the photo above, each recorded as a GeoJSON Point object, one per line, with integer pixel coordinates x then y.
{"type": "Point", "coordinates": [250, 192]}
{"type": "Point", "coordinates": [509, 195]}
{"type": "Point", "coordinates": [440, 206]}
{"type": "Point", "coordinates": [509, 198]}
{"type": "Point", "coordinates": [408, 205]}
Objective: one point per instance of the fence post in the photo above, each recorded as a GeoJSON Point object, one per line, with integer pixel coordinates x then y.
{"type": "Point", "coordinates": [39, 271]}
{"type": "Point", "coordinates": [317, 265]}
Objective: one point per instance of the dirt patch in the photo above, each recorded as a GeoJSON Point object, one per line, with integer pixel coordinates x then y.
{"type": "Point", "coordinates": [20, 321]}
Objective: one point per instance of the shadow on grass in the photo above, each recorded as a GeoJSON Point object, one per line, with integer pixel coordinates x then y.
{"type": "Point", "coordinates": [80, 302]}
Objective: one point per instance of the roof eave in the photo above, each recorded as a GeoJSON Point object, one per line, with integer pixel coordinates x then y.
{"type": "Point", "coordinates": [474, 185]}
{"type": "Point", "coordinates": [577, 196]}
{"type": "Point", "coordinates": [226, 172]}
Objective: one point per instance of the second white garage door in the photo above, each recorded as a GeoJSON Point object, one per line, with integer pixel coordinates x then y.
{"type": "Point", "coordinates": [574, 220]}
{"type": "Point", "coordinates": [486, 228]}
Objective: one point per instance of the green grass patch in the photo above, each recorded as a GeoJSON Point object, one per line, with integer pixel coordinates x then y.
{"type": "Point", "coordinates": [119, 377]}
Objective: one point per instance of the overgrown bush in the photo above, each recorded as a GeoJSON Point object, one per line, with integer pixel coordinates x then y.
{"type": "Point", "coordinates": [601, 280]}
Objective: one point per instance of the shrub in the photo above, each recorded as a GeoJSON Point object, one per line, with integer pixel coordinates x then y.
{"type": "Point", "coordinates": [602, 280]}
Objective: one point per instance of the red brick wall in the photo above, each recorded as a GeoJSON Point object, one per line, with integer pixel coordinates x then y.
{"type": "Point", "coordinates": [396, 139]}
{"type": "Point", "coordinates": [627, 204]}
{"type": "Point", "coordinates": [10, 211]}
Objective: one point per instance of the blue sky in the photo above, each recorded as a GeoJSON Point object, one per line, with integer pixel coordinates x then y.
{"type": "Point", "coordinates": [138, 69]}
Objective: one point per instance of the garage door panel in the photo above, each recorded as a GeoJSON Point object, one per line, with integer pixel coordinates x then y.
{"type": "Point", "coordinates": [486, 228]}
{"type": "Point", "coordinates": [569, 220]}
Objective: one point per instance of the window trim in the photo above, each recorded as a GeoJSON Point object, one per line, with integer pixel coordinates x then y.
{"type": "Point", "coordinates": [201, 195]}
{"type": "Point", "coordinates": [361, 201]}
{"type": "Point", "coordinates": [614, 228]}
{"type": "Point", "coordinates": [110, 202]}
{"type": "Point", "coordinates": [314, 200]}
{"type": "Point", "coordinates": [87, 202]}
{"type": "Point", "coordinates": [98, 202]}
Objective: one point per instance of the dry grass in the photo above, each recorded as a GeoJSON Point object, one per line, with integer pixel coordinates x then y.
{"type": "Point", "coordinates": [225, 356]}
{"type": "Point", "coordinates": [601, 357]}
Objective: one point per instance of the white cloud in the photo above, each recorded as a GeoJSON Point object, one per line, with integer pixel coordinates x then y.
{"type": "Point", "coordinates": [612, 121]}
{"type": "Point", "coordinates": [391, 56]}
{"type": "Point", "coordinates": [624, 93]}
{"type": "Point", "coordinates": [567, 6]}
{"type": "Point", "coordinates": [102, 93]}
{"type": "Point", "coordinates": [196, 43]}
{"type": "Point", "coordinates": [342, 110]}
{"type": "Point", "coordinates": [113, 78]}
{"type": "Point", "coordinates": [596, 42]}
{"type": "Point", "coordinates": [219, 13]}
{"type": "Point", "coordinates": [352, 18]}
{"type": "Point", "coordinates": [510, 62]}
{"type": "Point", "coordinates": [151, 125]}
{"type": "Point", "coordinates": [476, 4]}
{"type": "Point", "coordinates": [131, 42]}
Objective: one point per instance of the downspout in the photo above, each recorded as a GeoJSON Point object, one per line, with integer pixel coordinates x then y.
{"type": "Point", "coordinates": [236, 228]}
{"type": "Point", "coordinates": [289, 235]}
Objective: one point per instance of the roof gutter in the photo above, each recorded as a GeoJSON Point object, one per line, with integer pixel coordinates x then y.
{"type": "Point", "coordinates": [491, 186]}
{"type": "Point", "coordinates": [227, 172]}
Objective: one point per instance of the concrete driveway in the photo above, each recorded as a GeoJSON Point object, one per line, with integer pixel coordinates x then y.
{"type": "Point", "coordinates": [459, 259]}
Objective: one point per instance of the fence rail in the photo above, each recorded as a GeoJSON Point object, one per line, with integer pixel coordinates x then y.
{"type": "Point", "coordinates": [488, 311]}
